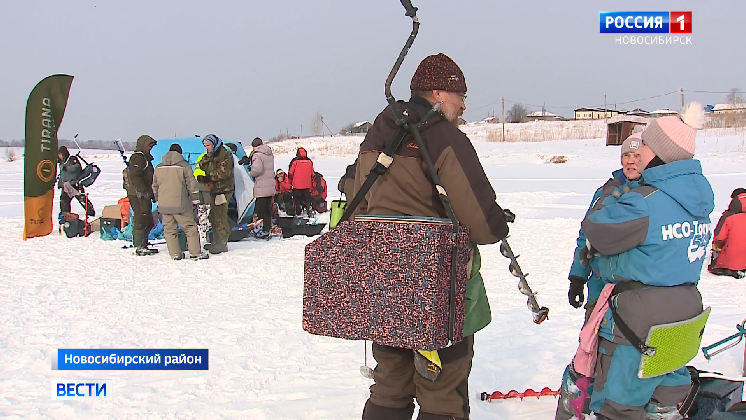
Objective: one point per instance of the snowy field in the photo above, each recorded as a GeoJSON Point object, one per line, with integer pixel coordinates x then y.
{"type": "Point", "coordinates": [245, 306]}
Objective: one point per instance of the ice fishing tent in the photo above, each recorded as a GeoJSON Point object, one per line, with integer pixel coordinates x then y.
{"type": "Point", "coordinates": [241, 206]}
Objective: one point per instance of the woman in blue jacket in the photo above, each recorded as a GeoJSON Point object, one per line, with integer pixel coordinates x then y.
{"type": "Point", "coordinates": [650, 242]}
{"type": "Point", "coordinates": [582, 275]}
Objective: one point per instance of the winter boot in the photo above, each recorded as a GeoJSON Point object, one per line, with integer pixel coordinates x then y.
{"type": "Point", "coordinates": [140, 242]}
{"type": "Point", "coordinates": [429, 416]}
{"type": "Point", "coordinates": [202, 256]}
{"type": "Point", "coordinates": [656, 411]}
{"type": "Point", "coordinates": [178, 257]}
{"type": "Point", "coordinates": [263, 235]}
{"type": "Point", "coordinates": [376, 412]}
{"type": "Point", "coordinates": [218, 248]}
{"type": "Point", "coordinates": [574, 396]}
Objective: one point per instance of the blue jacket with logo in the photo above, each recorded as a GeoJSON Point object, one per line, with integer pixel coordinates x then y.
{"type": "Point", "coordinates": [656, 233]}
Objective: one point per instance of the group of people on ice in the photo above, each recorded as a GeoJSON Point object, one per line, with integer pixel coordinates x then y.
{"type": "Point", "coordinates": [185, 196]}
{"type": "Point", "coordinates": [636, 266]}
{"type": "Point", "coordinates": [301, 189]}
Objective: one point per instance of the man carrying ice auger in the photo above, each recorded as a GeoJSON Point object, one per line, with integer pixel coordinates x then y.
{"type": "Point", "coordinates": [650, 243]}
{"type": "Point", "coordinates": [217, 164]}
{"type": "Point", "coordinates": [406, 189]}
{"type": "Point", "coordinates": [139, 184]}
{"type": "Point", "coordinates": [70, 172]}
{"type": "Point", "coordinates": [582, 275]}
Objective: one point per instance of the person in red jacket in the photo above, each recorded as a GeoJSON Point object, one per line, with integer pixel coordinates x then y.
{"type": "Point", "coordinates": [729, 242]}
{"type": "Point", "coordinates": [283, 190]}
{"type": "Point", "coordinates": [318, 193]}
{"type": "Point", "coordinates": [301, 174]}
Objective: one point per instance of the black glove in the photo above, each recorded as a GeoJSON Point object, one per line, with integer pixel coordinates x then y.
{"type": "Point", "coordinates": [509, 216]}
{"type": "Point", "coordinates": [575, 295]}
{"type": "Point", "coordinates": [244, 161]}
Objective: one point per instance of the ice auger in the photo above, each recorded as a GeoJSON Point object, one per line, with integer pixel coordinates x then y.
{"type": "Point", "coordinates": [539, 313]}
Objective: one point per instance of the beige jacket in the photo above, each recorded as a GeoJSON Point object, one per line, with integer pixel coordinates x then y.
{"type": "Point", "coordinates": [174, 186]}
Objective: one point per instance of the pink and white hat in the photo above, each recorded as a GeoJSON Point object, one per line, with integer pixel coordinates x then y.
{"type": "Point", "coordinates": [672, 138]}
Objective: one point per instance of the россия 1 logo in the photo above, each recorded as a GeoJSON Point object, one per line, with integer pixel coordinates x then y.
{"type": "Point", "coordinates": [646, 22]}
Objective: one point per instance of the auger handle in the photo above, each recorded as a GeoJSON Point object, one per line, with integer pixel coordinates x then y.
{"type": "Point", "coordinates": [411, 10]}
{"type": "Point", "coordinates": [739, 335]}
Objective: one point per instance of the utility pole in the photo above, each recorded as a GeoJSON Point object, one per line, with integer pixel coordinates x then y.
{"type": "Point", "coordinates": [301, 131]}
{"type": "Point", "coordinates": [682, 98]}
{"type": "Point", "coordinates": [605, 106]}
{"type": "Point", "coordinates": [502, 99]}
{"type": "Point", "coordinates": [322, 127]}
{"type": "Point", "coordinates": [323, 124]}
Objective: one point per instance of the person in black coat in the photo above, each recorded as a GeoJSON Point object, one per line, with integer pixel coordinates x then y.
{"type": "Point", "coordinates": [70, 172]}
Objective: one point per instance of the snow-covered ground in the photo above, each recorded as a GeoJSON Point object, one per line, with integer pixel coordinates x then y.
{"type": "Point", "coordinates": [245, 306]}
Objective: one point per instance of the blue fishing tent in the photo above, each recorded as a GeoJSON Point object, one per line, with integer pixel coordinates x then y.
{"type": "Point", "coordinates": [192, 148]}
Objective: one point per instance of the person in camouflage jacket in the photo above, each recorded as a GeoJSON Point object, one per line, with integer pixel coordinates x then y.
{"type": "Point", "coordinates": [139, 186]}
{"type": "Point", "coordinates": [217, 164]}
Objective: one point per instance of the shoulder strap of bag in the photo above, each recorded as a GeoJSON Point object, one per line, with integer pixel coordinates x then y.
{"type": "Point", "coordinates": [382, 164]}
{"type": "Point", "coordinates": [686, 406]}
{"type": "Point", "coordinates": [81, 159]}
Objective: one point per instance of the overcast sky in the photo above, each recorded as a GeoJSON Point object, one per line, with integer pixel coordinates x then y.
{"type": "Point", "coordinates": [246, 68]}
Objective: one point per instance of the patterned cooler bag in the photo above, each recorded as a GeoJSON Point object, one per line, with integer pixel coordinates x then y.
{"type": "Point", "coordinates": [387, 279]}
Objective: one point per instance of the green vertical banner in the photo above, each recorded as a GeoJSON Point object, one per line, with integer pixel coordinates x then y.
{"type": "Point", "coordinates": [44, 111]}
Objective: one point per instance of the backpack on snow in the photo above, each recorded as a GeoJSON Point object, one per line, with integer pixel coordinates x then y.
{"type": "Point", "coordinates": [317, 177]}
{"type": "Point", "coordinates": [714, 397]}
{"type": "Point", "coordinates": [76, 227]}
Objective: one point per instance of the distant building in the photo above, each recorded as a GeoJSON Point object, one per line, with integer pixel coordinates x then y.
{"type": "Point", "coordinates": [489, 120]}
{"type": "Point", "coordinates": [540, 116]}
{"type": "Point", "coordinates": [729, 109]}
{"type": "Point", "coordinates": [619, 127]}
{"type": "Point", "coordinates": [662, 113]}
{"type": "Point", "coordinates": [462, 121]}
{"type": "Point", "coordinates": [594, 113]}
{"type": "Point", "coordinates": [361, 127]}
{"type": "Point", "coordinates": [638, 113]}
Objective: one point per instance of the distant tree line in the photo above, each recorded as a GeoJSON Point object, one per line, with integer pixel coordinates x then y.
{"type": "Point", "coordinates": [84, 144]}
